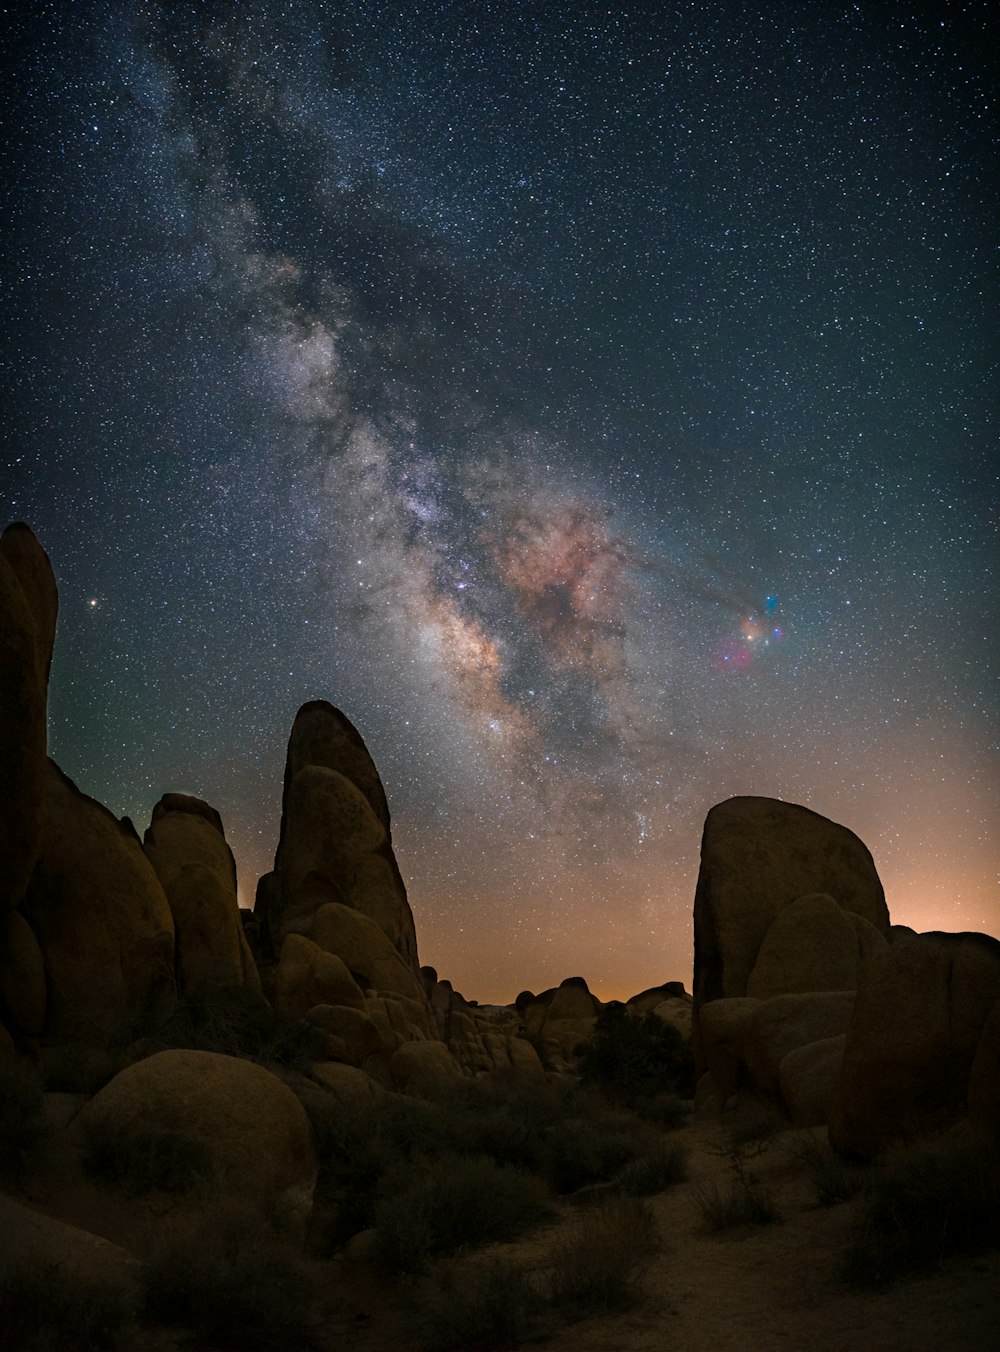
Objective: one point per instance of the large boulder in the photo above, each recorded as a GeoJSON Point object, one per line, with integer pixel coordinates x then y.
{"type": "Point", "coordinates": [984, 1078]}
{"type": "Point", "coordinates": [28, 605]}
{"type": "Point", "coordinates": [186, 845]}
{"type": "Point", "coordinates": [814, 945]}
{"type": "Point", "coordinates": [252, 1130]}
{"type": "Point", "coordinates": [102, 922]}
{"type": "Point", "coordinates": [781, 1025]}
{"type": "Point", "coordinates": [23, 987]}
{"type": "Point", "coordinates": [758, 855]}
{"type": "Point", "coordinates": [919, 1018]}
{"type": "Point", "coordinates": [373, 961]}
{"type": "Point", "coordinates": [808, 1077]}
{"type": "Point", "coordinates": [334, 846]}
{"type": "Point", "coordinates": [426, 1069]}
{"type": "Point", "coordinates": [335, 842]}
{"type": "Point", "coordinates": [307, 975]}
{"type": "Point", "coordinates": [721, 1028]}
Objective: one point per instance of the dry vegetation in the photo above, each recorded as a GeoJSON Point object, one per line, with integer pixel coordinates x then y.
{"type": "Point", "coordinates": [502, 1215]}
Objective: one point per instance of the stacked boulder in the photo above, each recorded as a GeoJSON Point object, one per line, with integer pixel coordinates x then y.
{"type": "Point", "coordinates": [806, 997]}
{"type": "Point", "coordinates": [98, 937]}
{"type": "Point", "coordinates": [335, 919]}
{"type": "Point", "coordinates": [789, 915]}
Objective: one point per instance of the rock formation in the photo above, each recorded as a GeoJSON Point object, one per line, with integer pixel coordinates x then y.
{"type": "Point", "coordinates": [922, 1012]}
{"type": "Point", "coordinates": [186, 845]}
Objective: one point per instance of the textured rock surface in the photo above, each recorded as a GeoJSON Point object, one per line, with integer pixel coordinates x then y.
{"type": "Point", "coordinates": [306, 975]}
{"type": "Point", "coordinates": [335, 842]}
{"type": "Point", "coordinates": [254, 1130]}
{"type": "Point", "coordinates": [920, 1014]}
{"type": "Point", "coordinates": [102, 922]}
{"type": "Point", "coordinates": [984, 1078]}
{"type": "Point", "coordinates": [813, 945]}
{"type": "Point", "coordinates": [354, 1037]}
{"type": "Point", "coordinates": [757, 856]}
{"type": "Point", "coordinates": [187, 848]}
{"type": "Point", "coordinates": [789, 1021]}
{"type": "Point", "coordinates": [27, 626]}
{"type": "Point", "coordinates": [424, 1068]}
{"type": "Point", "coordinates": [808, 1077]}
{"type": "Point", "coordinates": [23, 987]}
{"type": "Point", "coordinates": [721, 1031]}
{"type": "Point", "coordinates": [372, 960]}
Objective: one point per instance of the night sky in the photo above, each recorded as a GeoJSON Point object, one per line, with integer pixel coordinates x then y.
{"type": "Point", "coordinates": [595, 402]}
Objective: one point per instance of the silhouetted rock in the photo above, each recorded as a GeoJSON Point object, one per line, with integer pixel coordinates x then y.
{"type": "Point", "coordinates": [722, 1028]}
{"type": "Point", "coordinates": [352, 1034]}
{"type": "Point", "coordinates": [186, 846]}
{"type": "Point", "coordinates": [102, 921]}
{"type": "Point", "coordinates": [424, 1068]}
{"type": "Point", "coordinates": [920, 1014]}
{"type": "Point", "coordinates": [984, 1078]}
{"type": "Point", "coordinates": [758, 855]}
{"type": "Point", "coordinates": [335, 840]}
{"type": "Point", "coordinates": [27, 626]}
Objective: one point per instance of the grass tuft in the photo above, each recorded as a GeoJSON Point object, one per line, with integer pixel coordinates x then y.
{"type": "Point", "coordinates": [662, 1166]}
{"type": "Point", "coordinates": [926, 1204]}
{"type": "Point", "coordinates": [597, 1266]}
{"type": "Point", "coordinates": [489, 1305]}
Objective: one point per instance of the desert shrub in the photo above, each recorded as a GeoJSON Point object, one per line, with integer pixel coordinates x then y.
{"type": "Point", "coordinates": [740, 1199]}
{"type": "Point", "coordinates": [834, 1178]}
{"type": "Point", "coordinates": [658, 1168]}
{"type": "Point", "coordinates": [598, 1263]}
{"type": "Point", "coordinates": [635, 1058]}
{"type": "Point", "coordinates": [735, 1201]}
{"type": "Point", "coordinates": [21, 1104]}
{"type": "Point", "coordinates": [477, 1306]}
{"type": "Point", "coordinates": [44, 1308]}
{"type": "Point", "coordinates": [157, 1159]}
{"type": "Point", "coordinates": [668, 1111]}
{"type": "Point", "coordinates": [237, 1021]}
{"type": "Point", "coordinates": [926, 1204]}
{"type": "Point", "coordinates": [450, 1203]}
{"type": "Point", "coordinates": [236, 1281]}
{"type": "Point", "coordinates": [588, 1150]}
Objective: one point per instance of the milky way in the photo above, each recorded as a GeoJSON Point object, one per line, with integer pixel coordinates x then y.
{"type": "Point", "coordinates": [594, 403]}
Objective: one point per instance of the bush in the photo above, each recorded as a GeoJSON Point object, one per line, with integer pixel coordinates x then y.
{"type": "Point", "coordinates": [834, 1178]}
{"type": "Point", "coordinates": [925, 1205]}
{"type": "Point", "coordinates": [597, 1266]}
{"type": "Point", "coordinates": [238, 1021]}
{"type": "Point", "coordinates": [657, 1169]}
{"type": "Point", "coordinates": [477, 1306]}
{"type": "Point", "coordinates": [155, 1160]}
{"type": "Point", "coordinates": [636, 1058]}
{"type": "Point", "coordinates": [737, 1201]}
{"type": "Point", "coordinates": [740, 1199]}
{"type": "Point", "coordinates": [234, 1280]}
{"type": "Point", "coordinates": [21, 1104]}
{"type": "Point", "coordinates": [451, 1203]}
{"type": "Point", "coordinates": [44, 1308]}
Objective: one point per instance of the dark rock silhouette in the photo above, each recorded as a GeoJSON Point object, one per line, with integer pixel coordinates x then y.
{"type": "Point", "coordinates": [28, 605]}
{"type": "Point", "coordinates": [922, 1009]}
{"type": "Point", "coordinates": [102, 922]}
{"type": "Point", "coordinates": [758, 855]}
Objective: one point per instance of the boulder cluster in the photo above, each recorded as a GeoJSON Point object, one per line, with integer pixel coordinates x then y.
{"type": "Point", "coordinates": [807, 997]}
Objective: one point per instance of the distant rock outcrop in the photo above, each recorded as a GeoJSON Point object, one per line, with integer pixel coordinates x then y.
{"type": "Point", "coordinates": [186, 845]}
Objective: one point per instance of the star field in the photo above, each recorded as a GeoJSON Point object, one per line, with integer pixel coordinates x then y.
{"type": "Point", "coordinates": [596, 403]}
